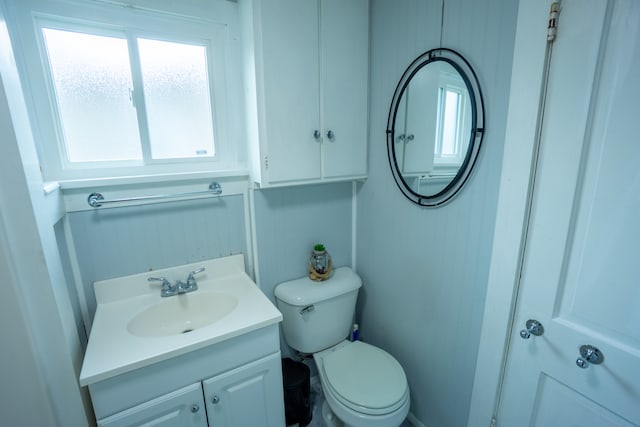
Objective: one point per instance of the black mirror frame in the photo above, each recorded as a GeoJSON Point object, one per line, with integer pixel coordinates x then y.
{"type": "Point", "coordinates": [462, 66]}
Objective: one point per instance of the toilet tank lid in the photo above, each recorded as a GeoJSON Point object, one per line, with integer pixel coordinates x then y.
{"type": "Point", "coordinates": [304, 291]}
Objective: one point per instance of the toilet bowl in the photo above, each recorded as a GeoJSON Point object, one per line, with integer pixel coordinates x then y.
{"type": "Point", "coordinates": [364, 386]}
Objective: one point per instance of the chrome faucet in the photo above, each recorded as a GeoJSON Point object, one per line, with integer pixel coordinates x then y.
{"type": "Point", "coordinates": [180, 287]}
{"type": "Point", "coordinates": [191, 284]}
{"type": "Point", "coordinates": [167, 290]}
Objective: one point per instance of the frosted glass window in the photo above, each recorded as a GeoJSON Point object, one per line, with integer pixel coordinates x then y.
{"type": "Point", "coordinates": [177, 99]}
{"type": "Point", "coordinates": [92, 80]}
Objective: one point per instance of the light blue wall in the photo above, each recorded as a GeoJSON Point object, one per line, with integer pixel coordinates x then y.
{"type": "Point", "coordinates": [425, 270]}
{"type": "Point", "coordinates": [128, 240]}
{"type": "Point", "coordinates": [289, 221]}
{"type": "Point", "coordinates": [67, 269]}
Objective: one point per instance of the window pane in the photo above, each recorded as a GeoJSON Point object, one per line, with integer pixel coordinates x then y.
{"type": "Point", "coordinates": [177, 99]}
{"type": "Point", "coordinates": [450, 125]}
{"type": "Point", "coordinates": [92, 80]}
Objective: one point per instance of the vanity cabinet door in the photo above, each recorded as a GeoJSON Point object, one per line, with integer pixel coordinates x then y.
{"type": "Point", "coordinates": [312, 60]}
{"type": "Point", "coordinates": [181, 408]}
{"type": "Point", "coordinates": [250, 395]}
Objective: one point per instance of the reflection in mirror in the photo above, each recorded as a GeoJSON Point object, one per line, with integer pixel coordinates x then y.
{"type": "Point", "coordinates": [435, 127]}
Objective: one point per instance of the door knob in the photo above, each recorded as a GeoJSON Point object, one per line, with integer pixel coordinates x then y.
{"type": "Point", "coordinates": [317, 134]}
{"type": "Point", "coordinates": [195, 408]}
{"type": "Point", "coordinates": [533, 328]}
{"type": "Point", "coordinates": [215, 399]}
{"type": "Point", "coordinates": [590, 354]}
{"type": "Point", "coordinates": [331, 135]}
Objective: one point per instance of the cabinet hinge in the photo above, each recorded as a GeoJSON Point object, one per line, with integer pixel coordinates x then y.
{"type": "Point", "coordinates": [552, 29]}
{"type": "Point", "coordinates": [266, 162]}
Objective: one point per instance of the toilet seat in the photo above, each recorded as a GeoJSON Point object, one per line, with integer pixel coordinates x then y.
{"type": "Point", "coordinates": [364, 378]}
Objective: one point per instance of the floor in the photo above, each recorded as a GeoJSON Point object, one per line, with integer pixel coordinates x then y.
{"type": "Point", "coordinates": [317, 399]}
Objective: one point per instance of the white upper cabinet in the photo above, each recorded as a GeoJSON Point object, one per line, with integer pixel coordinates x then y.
{"type": "Point", "coordinates": [307, 89]}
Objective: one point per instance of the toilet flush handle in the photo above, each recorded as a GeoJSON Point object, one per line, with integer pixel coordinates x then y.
{"type": "Point", "coordinates": [307, 309]}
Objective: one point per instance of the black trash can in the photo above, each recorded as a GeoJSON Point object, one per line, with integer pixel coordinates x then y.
{"type": "Point", "coordinates": [297, 388]}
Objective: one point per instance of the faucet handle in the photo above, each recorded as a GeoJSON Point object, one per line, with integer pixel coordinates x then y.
{"type": "Point", "coordinates": [167, 289]}
{"type": "Point", "coordinates": [191, 281]}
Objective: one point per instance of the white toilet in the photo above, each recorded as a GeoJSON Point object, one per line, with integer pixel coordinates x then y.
{"type": "Point", "coordinates": [363, 385]}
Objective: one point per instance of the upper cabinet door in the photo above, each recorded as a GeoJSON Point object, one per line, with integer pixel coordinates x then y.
{"type": "Point", "coordinates": [345, 75]}
{"type": "Point", "coordinates": [311, 89]}
{"type": "Point", "coordinates": [290, 43]}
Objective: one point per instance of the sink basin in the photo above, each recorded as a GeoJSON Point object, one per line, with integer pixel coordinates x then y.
{"type": "Point", "coordinates": [182, 314]}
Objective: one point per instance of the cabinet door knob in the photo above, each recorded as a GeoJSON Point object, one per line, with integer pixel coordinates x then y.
{"type": "Point", "coordinates": [331, 135]}
{"type": "Point", "coordinates": [215, 399]}
{"type": "Point", "coordinates": [195, 408]}
{"type": "Point", "coordinates": [317, 134]}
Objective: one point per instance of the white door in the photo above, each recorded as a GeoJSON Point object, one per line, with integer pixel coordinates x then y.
{"type": "Point", "coordinates": [581, 270]}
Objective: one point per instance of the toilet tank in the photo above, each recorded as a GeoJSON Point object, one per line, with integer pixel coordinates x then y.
{"type": "Point", "coordinates": [318, 315]}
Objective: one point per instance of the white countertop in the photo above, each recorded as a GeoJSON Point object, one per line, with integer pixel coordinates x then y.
{"type": "Point", "coordinates": [112, 350]}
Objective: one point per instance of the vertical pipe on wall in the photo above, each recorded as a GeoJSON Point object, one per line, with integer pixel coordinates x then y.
{"type": "Point", "coordinates": [354, 220]}
{"type": "Point", "coordinates": [250, 256]}
{"type": "Point", "coordinates": [253, 244]}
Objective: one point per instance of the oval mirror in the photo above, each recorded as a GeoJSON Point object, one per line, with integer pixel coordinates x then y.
{"type": "Point", "coordinates": [435, 127]}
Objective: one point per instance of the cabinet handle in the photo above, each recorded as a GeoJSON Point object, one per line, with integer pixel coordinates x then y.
{"type": "Point", "coordinates": [331, 135]}
{"type": "Point", "coordinates": [215, 399]}
{"type": "Point", "coordinates": [317, 134]}
{"type": "Point", "coordinates": [195, 408]}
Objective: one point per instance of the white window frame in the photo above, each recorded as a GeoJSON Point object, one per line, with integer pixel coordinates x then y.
{"type": "Point", "coordinates": [28, 17]}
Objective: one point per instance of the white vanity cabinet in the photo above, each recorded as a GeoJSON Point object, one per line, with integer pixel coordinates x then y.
{"type": "Point", "coordinates": [220, 367]}
{"type": "Point", "coordinates": [307, 89]}
{"type": "Point", "coordinates": [235, 383]}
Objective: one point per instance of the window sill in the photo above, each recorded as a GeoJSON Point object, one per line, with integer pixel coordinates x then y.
{"type": "Point", "coordinates": [89, 183]}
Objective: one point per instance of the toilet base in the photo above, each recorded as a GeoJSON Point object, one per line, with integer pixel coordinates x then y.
{"type": "Point", "coordinates": [330, 419]}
